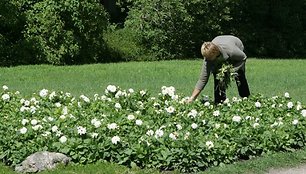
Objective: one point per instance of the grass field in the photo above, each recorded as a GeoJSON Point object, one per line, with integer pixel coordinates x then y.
{"type": "Point", "coordinates": [269, 77]}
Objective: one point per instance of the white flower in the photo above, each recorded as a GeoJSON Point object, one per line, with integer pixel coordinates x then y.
{"type": "Point", "coordinates": [172, 136]}
{"type": "Point", "coordinates": [94, 135]}
{"type": "Point", "coordinates": [207, 104]}
{"type": "Point", "coordinates": [118, 106]}
{"type": "Point", "coordinates": [216, 113]}
{"type": "Point", "coordinates": [112, 126]}
{"type": "Point", "coordinates": [179, 127]}
{"type": "Point", "coordinates": [86, 99]}
{"type": "Point", "coordinates": [193, 113]}
{"type": "Point", "coordinates": [111, 88]}
{"type": "Point", "coordinates": [130, 117]}
{"type": "Point", "coordinates": [287, 95]}
{"type": "Point", "coordinates": [299, 107]}
{"type": "Point", "coordinates": [290, 105]}
{"type": "Point", "coordinates": [217, 125]}
{"type": "Point", "coordinates": [4, 87]}
{"type": "Point", "coordinates": [5, 97]}
{"type": "Point", "coordinates": [248, 117]}
{"type": "Point", "coordinates": [26, 103]}
{"type": "Point", "coordinates": [226, 101]}
{"type": "Point", "coordinates": [54, 129]}
{"type": "Point", "coordinates": [115, 139]}
{"type": "Point", "coordinates": [255, 125]}
{"type": "Point", "coordinates": [170, 109]}
{"type": "Point", "coordinates": [234, 99]}
{"type": "Point", "coordinates": [57, 104]}
{"type": "Point", "coordinates": [43, 93]}
{"type": "Point", "coordinates": [257, 119]}
{"type": "Point", "coordinates": [36, 127]}
{"type": "Point", "coordinates": [50, 118]}
{"type": "Point", "coordinates": [96, 122]}
{"type": "Point", "coordinates": [65, 110]}
{"type": "Point", "coordinates": [209, 144]}
{"type": "Point", "coordinates": [23, 130]}
{"type": "Point", "coordinates": [62, 117]}
{"type": "Point", "coordinates": [131, 90]}
{"type": "Point", "coordinates": [138, 122]}
{"type": "Point", "coordinates": [52, 95]}
{"type": "Point", "coordinates": [159, 133]}
{"type": "Point", "coordinates": [63, 139]}
{"type": "Point", "coordinates": [142, 92]}
{"type": "Point", "coordinates": [187, 134]}
{"type": "Point", "coordinates": [34, 122]}
{"type": "Point", "coordinates": [24, 121]}
{"type": "Point", "coordinates": [295, 122]}
{"type": "Point", "coordinates": [118, 94]}
{"type": "Point", "coordinates": [194, 125]}
{"type": "Point", "coordinates": [46, 133]}
{"type": "Point", "coordinates": [81, 130]}
{"type": "Point", "coordinates": [32, 109]}
{"type": "Point", "coordinates": [258, 104]}
{"type": "Point", "coordinates": [150, 133]}
{"type": "Point", "coordinates": [170, 91]}
{"type": "Point", "coordinates": [236, 118]}
{"type": "Point", "coordinates": [303, 112]}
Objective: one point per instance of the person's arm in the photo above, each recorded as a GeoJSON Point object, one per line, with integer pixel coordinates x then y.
{"type": "Point", "coordinates": [201, 83]}
{"type": "Point", "coordinates": [194, 95]}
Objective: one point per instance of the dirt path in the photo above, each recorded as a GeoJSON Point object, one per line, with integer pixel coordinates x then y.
{"type": "Point", "coordinates": [295, 170]}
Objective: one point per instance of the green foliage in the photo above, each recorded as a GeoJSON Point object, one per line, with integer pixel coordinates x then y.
{"type": "Point", "coordinates": [226, 74]}
{"type": "Point", "coordinates": [67, 32]}
{"type": "Point", "coordinates": [123, 45]}
{"type": "Point", "coordinates": [160, 26]}
{"type": "Point", "coordinates": [176, 28]}
{"type": "Point", "coordinates": [134, 129]}
{"type": "Point", "coordinates": [271, 29]}
{"type": "Point", "coordinates": [12, 43]}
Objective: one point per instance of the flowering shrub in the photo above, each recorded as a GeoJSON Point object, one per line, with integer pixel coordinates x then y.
{"type": "Point", "coordinates": [133, 128]}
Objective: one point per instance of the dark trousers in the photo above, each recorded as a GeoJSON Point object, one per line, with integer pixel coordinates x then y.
{"type": "Point", "coordinates": [242, 84]}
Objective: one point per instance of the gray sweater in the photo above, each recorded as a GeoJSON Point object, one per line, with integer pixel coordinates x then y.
{"type": "Point", "coordinates": [231, 49]}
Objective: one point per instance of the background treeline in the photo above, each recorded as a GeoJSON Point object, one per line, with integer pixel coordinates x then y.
{"type": "Point", "coordinates": [89, 31]}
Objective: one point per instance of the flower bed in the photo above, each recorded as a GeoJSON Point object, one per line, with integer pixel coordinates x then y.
{"type": "Point", "coordinates": [133, 128]}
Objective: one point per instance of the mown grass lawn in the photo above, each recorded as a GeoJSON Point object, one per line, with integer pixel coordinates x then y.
{"type": "Point", "coordinates": [269, 77]}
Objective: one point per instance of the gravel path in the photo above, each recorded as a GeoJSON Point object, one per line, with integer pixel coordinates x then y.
{"type": "Point", "coordinates": [295, 170]}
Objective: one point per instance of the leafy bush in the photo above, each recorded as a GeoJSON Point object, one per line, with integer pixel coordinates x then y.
{"type": "Point", "coordinates": [160, 26]}
{"type": "Point", "coordinates": [133, 128]}
{"type": "Point", "coordinates": [177, 28]}
{"type": "Point", "coordinates": [12, 43]}
{"type": "Point", "coordinates": [67, 32]}
{"type": "Point", "coordinates": [123, 45]}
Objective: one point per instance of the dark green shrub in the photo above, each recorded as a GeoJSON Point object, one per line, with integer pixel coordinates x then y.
{"type": "Point", "coordinates": [177, 28]}
{"type": "Point", "coordinates": [67, 31]}
{"type": "Point", "coordinates": [11, 38]}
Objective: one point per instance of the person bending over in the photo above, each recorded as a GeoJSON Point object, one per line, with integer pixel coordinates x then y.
{"type": "Point", "coordinates": [222, 49]}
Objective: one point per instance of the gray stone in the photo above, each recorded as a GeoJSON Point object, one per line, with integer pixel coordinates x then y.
{"type": "Point", "coordinates": [41, 161]}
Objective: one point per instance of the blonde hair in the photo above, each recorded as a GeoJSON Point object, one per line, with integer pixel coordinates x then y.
{"type": "Point", "coordinates": [209, 51]}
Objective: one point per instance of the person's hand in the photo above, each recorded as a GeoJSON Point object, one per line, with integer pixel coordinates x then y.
{"type": "Point", "coordinates": [190, 100]}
